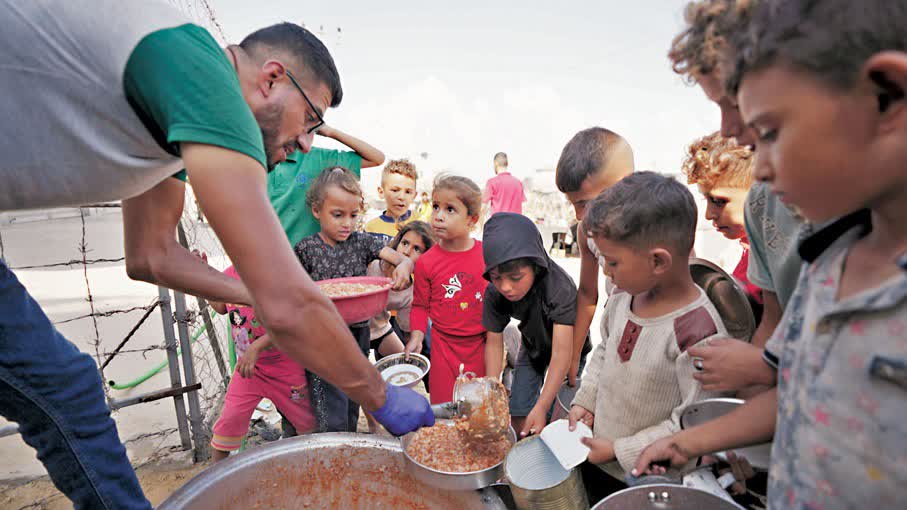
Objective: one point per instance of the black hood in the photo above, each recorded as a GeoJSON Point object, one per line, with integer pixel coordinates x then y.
{"type": "Point", "coordinates": [509, 236]}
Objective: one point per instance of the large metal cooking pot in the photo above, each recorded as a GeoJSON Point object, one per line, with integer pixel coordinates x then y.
{"type": "Point", "coordinates": [454, 481]}
{"type": "Point", "coordinates": [321, 471]}
{"type": "Point", "coordinates": [664, 497]}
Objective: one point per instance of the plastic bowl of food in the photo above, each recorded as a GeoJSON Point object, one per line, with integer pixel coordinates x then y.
{"type": "Point", "coordinates": [396, 369]}
{"type": "Point", "coordinates": [358, 298]}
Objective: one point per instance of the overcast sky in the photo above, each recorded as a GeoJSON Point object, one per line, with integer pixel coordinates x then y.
{"type": "Point", "coordinates": [461, 81]}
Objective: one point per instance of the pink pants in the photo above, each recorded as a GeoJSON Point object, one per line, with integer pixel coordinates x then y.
{"type": "Point", "coordinates": [277, 378]}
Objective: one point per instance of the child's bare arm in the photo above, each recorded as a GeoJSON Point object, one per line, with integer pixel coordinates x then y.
{"type": "Point", "coordinates": [561, 355]}
{"type": "Point", "coordinates": [369, 154]}
{"type": "Point", "coordinates": [404, 267]}
{"type": "Point", "coordinates": [494, 354]}
{"type": "Point", "coordinates": [586, 301]}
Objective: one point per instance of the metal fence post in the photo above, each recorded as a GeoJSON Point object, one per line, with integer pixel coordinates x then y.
{"type": "Point", "coordinates": [173, 365]}
{"type": "Point", "coordinates": [195, 413]}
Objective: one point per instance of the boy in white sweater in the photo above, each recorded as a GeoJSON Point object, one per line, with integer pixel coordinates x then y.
{"type": "Point", "coordinates": [640, 377]}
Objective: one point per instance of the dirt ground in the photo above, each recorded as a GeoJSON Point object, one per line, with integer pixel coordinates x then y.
{"type": "Point", "coordinates": [158, 481]}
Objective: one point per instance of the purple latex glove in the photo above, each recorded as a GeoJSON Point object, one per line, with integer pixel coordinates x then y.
{"type": "Point", "coordinates": [404, 411]}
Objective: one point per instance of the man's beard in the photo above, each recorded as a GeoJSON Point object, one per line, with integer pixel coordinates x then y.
{"type": "Point", "coordinates": [268, 119]}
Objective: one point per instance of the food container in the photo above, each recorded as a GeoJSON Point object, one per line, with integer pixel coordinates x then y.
{"type": "Point", "coordinates": [697, 413]}
{"type": "Point", "coordinates": [321, 471]}
{"type": "Point", "coordinates": [727, 296]}
{"type": "Point", "coordinates": [396, 369]}
{"type": "Point", "coordinates": [361, 307]}
{"type": "Point", "coordinates": [537, 480]}
{"type": "Point", "coordinates": [664, 497]}
{"type": "Point", "coordinates": [565, 395]}
{"type": "Point", "coordinates": [453, 481]}
{"type": "Point", "coordinates": [486, 404]}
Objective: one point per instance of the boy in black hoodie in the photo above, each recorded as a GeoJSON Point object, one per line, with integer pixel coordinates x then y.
{"type": "Point", "coordinates": [528, 286]}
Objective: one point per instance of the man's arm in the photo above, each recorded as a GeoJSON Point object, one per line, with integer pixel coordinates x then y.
{"type": "Point", "coordinates": [369, 154]}
{"type": "Point", "coordinates": [302, 320]}
{"type": "Point", "coordinates": [751, 423]}
{"type": "Point", "coordinates": [153, 255]}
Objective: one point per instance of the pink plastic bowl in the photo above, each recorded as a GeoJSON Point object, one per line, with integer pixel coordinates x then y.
{"type": "Point", "coordinates": [361, 307]}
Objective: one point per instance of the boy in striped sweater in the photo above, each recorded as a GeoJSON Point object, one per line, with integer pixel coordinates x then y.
{"type": "Point", "coordinates": [640, 377]}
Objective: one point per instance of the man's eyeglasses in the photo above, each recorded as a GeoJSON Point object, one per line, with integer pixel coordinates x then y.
{"type": "Point", "coordinates": [315, 110]}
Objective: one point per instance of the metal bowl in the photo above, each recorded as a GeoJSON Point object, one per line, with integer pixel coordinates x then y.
{"type": "Point", "coordinates": [384, 367]}
{"type": "Point", "coordinates": [453, 481]}
{"type": "Point", "coordinates": [320, 471]}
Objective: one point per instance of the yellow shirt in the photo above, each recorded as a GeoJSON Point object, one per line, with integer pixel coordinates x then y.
{"type": "Point", "coordinates": [385, 226]}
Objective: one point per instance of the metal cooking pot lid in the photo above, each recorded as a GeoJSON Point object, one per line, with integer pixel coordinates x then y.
{"type": "Point", "coordinates": [728, 297]}
{"type": "Point", "coordinates": [664, 497]}
{"type": "Point", "coordinates": [703, 411]}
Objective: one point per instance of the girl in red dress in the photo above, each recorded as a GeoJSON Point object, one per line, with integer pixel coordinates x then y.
{"type": "Point", "coordinates": [449, 288]}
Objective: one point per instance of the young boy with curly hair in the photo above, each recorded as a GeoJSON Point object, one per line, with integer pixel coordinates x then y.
{"type": "Point", "coordinates": [723, 171]}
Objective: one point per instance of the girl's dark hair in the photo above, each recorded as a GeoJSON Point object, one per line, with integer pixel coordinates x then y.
{"type": "Point", "coordinates": [334, 176]}
{"type": "Point", "coordinates": [466, 190]}
{"type": "Point", "coordinates": [419, 227]}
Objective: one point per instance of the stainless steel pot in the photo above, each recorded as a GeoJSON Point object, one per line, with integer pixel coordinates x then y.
{"type": "Point", "coordinates": [664, 497]}
{"type": "Point", "coordinates": [321, 471]}
{"type": "Point", "coordinates": [453, 481]}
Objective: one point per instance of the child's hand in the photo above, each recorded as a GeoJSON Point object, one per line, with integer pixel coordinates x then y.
{"type": "Point", "coordinates": [246, 365]}
{"type": "Point", "coordinates": [600, 450]}
{"type": "Point", "coordinates": [402, 274]}
{"type": "Point", "coordinates": [580, 413]}
{"type": "Point", "coordinates": [413, 345]}
{"type": "Point", "coordinates": [535, 422]}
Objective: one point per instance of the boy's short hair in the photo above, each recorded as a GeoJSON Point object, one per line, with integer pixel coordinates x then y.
{"type": "Point", "coordinates": [587, 153]}
{"type": "Point", "coordinates": [500, 159]}
{"type": "Point", "coordinates": [400, 166]}
{"type": "Point", "coordinates": [703, 47]}
{"type": "Point", "coordinates": [644, 210]}
{"type": "Point", "coordinates": [302, 46]}
{"type": "Point", "coordinates": [516, 264]}
{"type": "Point", "coordinates": [830, 40]}
{"type": "Point", "coordinates": [714, 160]}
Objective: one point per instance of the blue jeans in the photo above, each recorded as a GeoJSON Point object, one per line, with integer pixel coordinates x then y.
{"type": "Point", "coordinates": [527, 385]}
{"type": "Point", "coordinates": [54, 392]}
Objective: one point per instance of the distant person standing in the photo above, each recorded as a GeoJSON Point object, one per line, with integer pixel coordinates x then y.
{"type": "Point", "coordinates": [504, 191]}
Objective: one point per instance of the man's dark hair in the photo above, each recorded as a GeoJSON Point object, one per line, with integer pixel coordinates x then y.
{"type": "Point", "coordinates": [516, 265]}
{"type": "Point", "coordinates": [644, 210]}
{"type": "Point", "coordinates": [829, 39]}
{"type": "Point", "coordinates": [500, 159]}
{"type": "Point", "coordinates": [586, 154]}
{"type": "Point", "coordinates": [304, 47]}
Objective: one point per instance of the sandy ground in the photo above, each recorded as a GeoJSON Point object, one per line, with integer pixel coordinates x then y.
{"type": "Point", "coordinates": [148, 430]}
